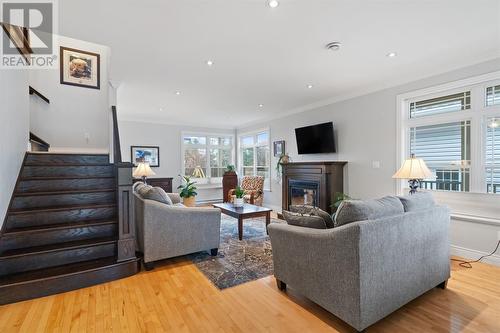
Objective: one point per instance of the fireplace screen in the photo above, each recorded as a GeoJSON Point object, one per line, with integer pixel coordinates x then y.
{"type": "Point", "coordinates": [303, 192]}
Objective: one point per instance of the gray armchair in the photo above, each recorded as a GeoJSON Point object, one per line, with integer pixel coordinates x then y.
{"type": "Point", "coordinates": [166, 231]}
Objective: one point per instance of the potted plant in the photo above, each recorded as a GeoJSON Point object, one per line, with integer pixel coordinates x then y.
{"type": "Point", "coordinates": [283, 159]}
{"type": "Point", "coordinates": [230, 169]}
{"type": "Point", "coordinates": [338, 198]}
{"type": "Point", "coordinates": [238, 197]}
{"type": "Point", "coordinates": [188, 191]}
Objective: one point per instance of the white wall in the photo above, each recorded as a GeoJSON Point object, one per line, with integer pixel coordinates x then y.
{"type": "Point", "coordinates": [14, 131]}
{"type": "Point", "coordinates": [366, 132]}
{"type": "Point", "coordinates": [168, 138]}
{"type": "Point", "coordinates": [73, 111]}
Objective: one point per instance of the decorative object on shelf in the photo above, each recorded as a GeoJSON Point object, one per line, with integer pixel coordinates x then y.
{"type": "Point", "coordinates": [188, 191]}
{"type": "Point", "coordinates": [198, 172]}
{"type": "Point", "coordinates": [20, 38]}
{"type": "Point", "coordinates": [279, 148]}
{"type": "Point", "coordinates": [143, 171]}
{"type": "Point", "coordinates": [414, 169]}
{"type": "Point", "coordinates": [80, 68]}
{"type": "Point", "coordinates": [229, 182]}
{"type": "Point", "coordinates": [238, 197]}
{"type": "Point", "coordinates": [283, 159]}
{"type": "Point", "coordinates": [147, 154]}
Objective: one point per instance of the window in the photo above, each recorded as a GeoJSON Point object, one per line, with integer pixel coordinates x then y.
{"type": "Point", "coordinates": [255, 156]}
{"type": "Point", "coordinates": [455, 129]}
{"type": "Point", "coordinates": [205, 157]}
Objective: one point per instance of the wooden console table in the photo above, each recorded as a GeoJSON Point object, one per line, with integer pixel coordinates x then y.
{"type": "Point", "coordinates": [164, 183]}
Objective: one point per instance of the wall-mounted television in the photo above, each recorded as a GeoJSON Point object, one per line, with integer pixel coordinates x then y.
{"type": "Point", "coordinates": [316, 139]}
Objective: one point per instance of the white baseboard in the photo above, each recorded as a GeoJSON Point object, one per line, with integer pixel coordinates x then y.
{"type": "Point", "coordinates": [474, 254]}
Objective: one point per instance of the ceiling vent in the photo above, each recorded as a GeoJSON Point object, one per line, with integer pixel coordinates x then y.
{"type": "Point", "coordinates": [333, 46]}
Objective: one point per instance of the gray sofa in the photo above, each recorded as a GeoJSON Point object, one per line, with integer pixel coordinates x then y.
{"type": "Point", "coordinates": [362, 271]}
{"type": "Point", "coordinates": [171, 230]}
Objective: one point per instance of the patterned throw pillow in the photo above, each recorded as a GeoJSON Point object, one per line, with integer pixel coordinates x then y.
{"type": "Point", "coordinates": [312, 210]}
{"type": "Point", "coordinates": [304, 220]}
{"type": "Point", "coordinates": [158, 194]}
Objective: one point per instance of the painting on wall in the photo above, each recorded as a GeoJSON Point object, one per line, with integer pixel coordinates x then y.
{"type": "Point", "coordinates": [80, 68]}
{"type": "Point", "coordinates": [279, 148]}
{"type": "Point", "coordinates": [147, 154]}
{"type": "Point", "coordinates": [20, 39]}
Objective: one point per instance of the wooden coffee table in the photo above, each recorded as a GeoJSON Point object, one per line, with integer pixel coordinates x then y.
{"type": "Point", "coordinates": [245, 212]}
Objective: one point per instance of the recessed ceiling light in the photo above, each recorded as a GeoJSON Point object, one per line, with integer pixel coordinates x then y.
{"type": "Point", "coordinates": [177, 93]}
{"type": "Point", "coordinates": [273, 3]}
{"type": "Point", "coordinates": [161, 109]}
{"type": "Point", "coordinates": [310, 86]}
{"type": "Point", "coordinates": [261, 105]}
{"type": "Point", "coordinates": [210, 62]}
{"type": "Point", "coordinates": [391, 54]}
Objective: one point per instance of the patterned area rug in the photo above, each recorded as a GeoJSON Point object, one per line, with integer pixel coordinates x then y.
{"type": "Point", "coordinates": [238, 261]}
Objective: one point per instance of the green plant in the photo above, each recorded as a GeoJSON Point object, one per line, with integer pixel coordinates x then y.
{"type": "Point", "coordinates": [338, 198]}
{"type": "Point", "coordinates": [187, 187]}
{"type": "Point", "coordinates": [239, 192]}
{"type": "Point", "coordinates": [284, 158]}
{"type": "Point", "coordinates": [230, 168]}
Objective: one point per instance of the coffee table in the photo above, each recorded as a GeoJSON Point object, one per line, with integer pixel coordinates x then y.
{"type": "Point", "coordinates": [245, 212]}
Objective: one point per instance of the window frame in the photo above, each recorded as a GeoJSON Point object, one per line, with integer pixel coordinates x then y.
{"type": "Point", "coordinates": [208, 180]}
{"type": "Point", "coordinates": [478, 114]}
{"type": "Point", "coordinates": [255, 145]}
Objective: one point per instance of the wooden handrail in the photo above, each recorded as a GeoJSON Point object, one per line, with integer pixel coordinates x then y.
{"type": "Point", "coordinates": [116, 137]}
{"type": "Point", "coordinates": [33, 91]}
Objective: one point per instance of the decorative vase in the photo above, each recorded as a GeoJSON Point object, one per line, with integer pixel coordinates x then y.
{"type": "Point", "coordinates": [189, 202]}
{"type": "Point", "coordinates": [238, 202]}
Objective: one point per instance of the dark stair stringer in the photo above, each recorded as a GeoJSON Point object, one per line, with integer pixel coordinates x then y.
{"type": "Point", "coordinates": [61, 231]}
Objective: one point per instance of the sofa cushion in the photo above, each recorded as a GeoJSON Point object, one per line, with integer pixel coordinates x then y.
{"type": "Point", "coordinates": [137, 186]}
{"type": "Point", "coordinates": [360, 210]}
{"type": "Point", "coordinates": [142, 190]}
{"type": "Point", "coordinates": [312, 210]}
{"type": "Point", "coordinates": [417, 201]}
{"type": "Point", "coordinates": [304, 220]}
{"type": "Point", "coordinates": [157, 194]}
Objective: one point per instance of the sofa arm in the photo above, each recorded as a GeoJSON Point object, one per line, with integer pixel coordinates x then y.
{"type": "Point", "coordinates": [175, 197]}
{"type": "Point", "coordinates": [321, 264]}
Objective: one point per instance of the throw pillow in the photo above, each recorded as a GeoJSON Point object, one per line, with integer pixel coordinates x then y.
{"type": "Point", "coordinates": [312, 210]}
{"type": "Point", "coordinates": [158, 194]}
{"type": "Point", "coordinates": [361, 210]}
{"type": "Point", "coordinates": [417, 201]}
{"type": "Point", "coordinates": [307, 221]}
{"type": "Point", "coordinates": [137, 186]}
{"type": "Point", "coordinates": [142, 190]}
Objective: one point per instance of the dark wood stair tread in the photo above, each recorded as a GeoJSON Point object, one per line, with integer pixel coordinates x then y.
{"type": "Point", "coordinates": [62, 192]}
{"type": "Point", "coordinates": [58, 208]}
{"type": "Point", "coordinates": [56, 271]}
{"type": "Point", "coordinates": [57, 247]}
{"type": "Point", "coordinates": [59, 226]}
{"type": "Point", "coordinates": [66, 164]}
{"type": "Point", "coordinates": [65, 177]}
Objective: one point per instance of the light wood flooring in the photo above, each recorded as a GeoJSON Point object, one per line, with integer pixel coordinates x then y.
{"type": "Point", "coordinates": [176, 297]}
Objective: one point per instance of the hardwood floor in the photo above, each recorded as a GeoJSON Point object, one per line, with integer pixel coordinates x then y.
{"type": "Point", "coordinates": [176, 297]}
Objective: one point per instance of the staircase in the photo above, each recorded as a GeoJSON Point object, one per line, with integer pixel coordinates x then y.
{"type": "Point", "coordinates": [62, 230]}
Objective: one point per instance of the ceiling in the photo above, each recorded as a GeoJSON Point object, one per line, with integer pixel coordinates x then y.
{"type": "Point", "coordinates": [269, 56]}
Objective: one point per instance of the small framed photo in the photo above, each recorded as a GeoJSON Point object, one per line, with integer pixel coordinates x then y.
{"type": "Point", "coordinates": [147, 154]}
{"type": "Point", "coordinates": [279, 148]}
{"type": "Point", "coordinates": [80, 68]}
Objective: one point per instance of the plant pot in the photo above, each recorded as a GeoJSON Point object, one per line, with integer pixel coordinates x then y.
{"type": "Point", "coordinates": [238, 202]}
{"type": "Point", "coordinates": [189, 202]}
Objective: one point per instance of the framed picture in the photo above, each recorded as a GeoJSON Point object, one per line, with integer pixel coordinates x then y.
{"type": "Point", "coordinates": [279, 148]}
{"type": "Point", "coordinates": [20, 38]}
{"type": "Point", "coordinates": [148, 154]}
{"type": "Point", "coordinates": [80, 68]}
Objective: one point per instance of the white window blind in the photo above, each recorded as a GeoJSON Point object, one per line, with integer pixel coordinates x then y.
{"type": "Point", "coordinates": [492, 155]}
{"type": "Point", "coordinates": [443, 104]}
{"type": "Point", "coordinates": [446, 150]}
{"type": "Point", "coordinates": [493, 95]}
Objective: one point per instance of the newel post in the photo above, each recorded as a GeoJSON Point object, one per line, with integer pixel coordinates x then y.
{"type": "Point", "coordinates": [126, 216]}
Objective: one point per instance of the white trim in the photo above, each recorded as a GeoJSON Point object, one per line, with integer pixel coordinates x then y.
{"type": "Point", "coordinates": [471, 254]}
{"type": "Point", "coordinates": [239, 147]}
{"type": "Point", "coordinates": [476, 219]}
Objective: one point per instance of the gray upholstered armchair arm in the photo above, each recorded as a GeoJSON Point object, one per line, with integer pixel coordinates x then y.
{"type": "Point", "coordinates": [322, 263]}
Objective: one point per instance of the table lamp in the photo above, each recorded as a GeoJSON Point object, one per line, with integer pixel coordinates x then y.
{"type": "Point", "coordinates": [143, 171]}
{"type": "Point", "coordinates": [414, 169]}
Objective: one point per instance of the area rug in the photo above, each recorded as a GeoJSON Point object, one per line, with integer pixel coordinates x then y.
{"type": "Point", "coordinates": [238, 261]}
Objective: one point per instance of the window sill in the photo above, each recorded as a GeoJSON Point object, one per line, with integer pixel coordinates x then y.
{"type": "Point", "coordinates": [476, 219]}
{"type": "Point", "coordinates": [209, 186]}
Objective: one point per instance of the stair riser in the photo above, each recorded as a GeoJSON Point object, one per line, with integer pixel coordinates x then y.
{"type": "Point", "coordinates": [64, 184]}
{"type": "Point", "coordinates": [41, 201]}
{"type": "Point", "coordinates": [44, 159]}
{"type": "Point", "coordinates": [76, 215]}
{"type": "Point", "coordinates": [68, 171]}
{"type": "Point", "coordinates": [17, 241]}
{"type": "Point", "coordinates": [51, 259]}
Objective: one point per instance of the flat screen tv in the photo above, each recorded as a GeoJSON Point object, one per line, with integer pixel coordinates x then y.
{"type": "Point", "coordinates": [316, 139]}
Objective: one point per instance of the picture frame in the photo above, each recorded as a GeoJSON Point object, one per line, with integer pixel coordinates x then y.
{"type": "Point", "coordinates": [278, 148]}
{"type": "Point", "coordinates": [80, 68]}
{"type": "Point", "coordinates": [20, 37]}
{"type": "Point", "coordinates": [148, 154]}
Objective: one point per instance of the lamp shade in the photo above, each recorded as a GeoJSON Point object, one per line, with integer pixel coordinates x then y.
{"type": "Point", "coordinates": [143, 170]}
{"type": "Point", "coordinates": [414, 168]}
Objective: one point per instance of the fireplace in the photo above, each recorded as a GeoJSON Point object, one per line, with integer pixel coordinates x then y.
{"type": "Point", "coordinates": [312, 183]}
